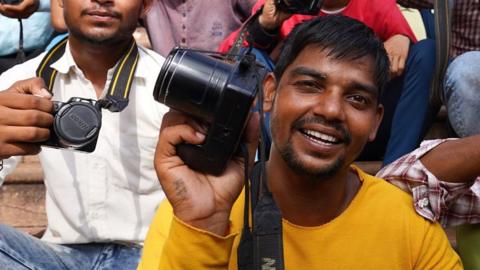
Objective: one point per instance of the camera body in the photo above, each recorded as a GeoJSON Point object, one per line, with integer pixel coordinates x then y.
{"type": "Point", "coordinates": [306, 7]}
{"type": "Point", "coordinates": [11, 2]}
{"type": "Point", "coordinates": [215, 91]}
{"type": "Point", "coordinates": [76, 125]}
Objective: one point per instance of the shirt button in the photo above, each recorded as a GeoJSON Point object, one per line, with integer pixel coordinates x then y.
{"type": "Point", "coordinates": [184, 40]}
{"type": "Point", "coordinates": [183, 26]}
{"type": "Point", "coordinates": [423, 203]}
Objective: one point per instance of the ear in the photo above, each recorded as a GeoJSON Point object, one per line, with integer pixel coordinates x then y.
{"type": "Point", "coordinates": [60, 3]}
{"type": "Point", "coordinates": [378, 120]}
{"type": "Point", "coordinates": [269, 91]}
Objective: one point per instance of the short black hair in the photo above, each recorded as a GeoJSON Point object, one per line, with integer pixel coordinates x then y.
{"type": "Point", "coordinates": [344, 37]}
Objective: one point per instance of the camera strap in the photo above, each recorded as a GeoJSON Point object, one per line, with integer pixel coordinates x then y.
{"type": "Point", "coordinates": [262, 248]}
{"type": "Point", "coordinates": [119, 89]}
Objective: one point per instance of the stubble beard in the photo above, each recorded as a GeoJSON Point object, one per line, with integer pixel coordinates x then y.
{"type": "Point", "coordinates": [317, 174]}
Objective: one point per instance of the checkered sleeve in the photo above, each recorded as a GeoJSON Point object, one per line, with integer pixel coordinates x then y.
{"type": "Point", "coordinates": [449, 203]}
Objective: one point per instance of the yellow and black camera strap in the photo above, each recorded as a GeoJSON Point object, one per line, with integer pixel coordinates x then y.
{"type": "Point", "coordinates": [119, 89]}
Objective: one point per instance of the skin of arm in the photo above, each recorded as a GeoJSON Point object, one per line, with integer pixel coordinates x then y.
{"type": "Point", "coordinates": [455, 161]}
{"type": "Point", "coordinates": [56, 16]}
{"type": "Point", "coordinates": [198, 199]}
{"type": "Point", "coordinates": [22, 10]}
{"type": "Point", "coordinates": [397, 48]}
{"type": "Point", "coordinates": [25, 118]}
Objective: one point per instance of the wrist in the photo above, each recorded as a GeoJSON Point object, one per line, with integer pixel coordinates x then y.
{"type": "Point", "coordinates": [217, 223]}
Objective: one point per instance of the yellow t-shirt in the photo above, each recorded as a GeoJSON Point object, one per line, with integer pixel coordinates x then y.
{"type": "Point", "coordinates": [378, 230]}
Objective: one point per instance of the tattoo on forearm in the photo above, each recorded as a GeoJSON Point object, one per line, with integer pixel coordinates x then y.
{"type": "Point", "coordinates": [180, 189]}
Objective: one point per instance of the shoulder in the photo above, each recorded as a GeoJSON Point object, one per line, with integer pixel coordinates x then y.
{"type": "Point", "coordinates": [149, 61]}
{"type": "Point", "coordinates": [19, 72]}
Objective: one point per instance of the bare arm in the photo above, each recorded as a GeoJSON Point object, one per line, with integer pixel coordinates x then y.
{"type": "Point", "coordinates": [455, 161]}
{"type": "Point", "coordinates": [56, 16]}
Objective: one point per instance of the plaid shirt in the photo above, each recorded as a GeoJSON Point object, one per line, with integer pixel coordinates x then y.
{"type": "Point", "coordinates": [465, 23]}
{"type": "Point", "coordinates": [449, 203]}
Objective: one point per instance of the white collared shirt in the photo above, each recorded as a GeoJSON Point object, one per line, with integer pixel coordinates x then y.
{"type": "Point", "coordinates": [112, 193]}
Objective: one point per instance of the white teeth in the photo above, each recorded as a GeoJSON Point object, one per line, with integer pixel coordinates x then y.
{"type": "Point", "coordinates": [321, 136]}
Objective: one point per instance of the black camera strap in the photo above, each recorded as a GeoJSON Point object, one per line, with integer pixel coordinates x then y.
{"type": "Point", "coordinates": [119, 89]}
{"type": "Point", "coordinates": [261, 248]}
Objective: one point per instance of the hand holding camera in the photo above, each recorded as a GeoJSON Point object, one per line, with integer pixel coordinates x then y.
{"type": "Point", "coordinates": [272, 17]}
{"type": "Point", "coordinates": [202, 200]}
{"type": "Point", "coordinates": [275, 12]}
{"type": "Point", "coordinates": [18, 9]}
{"type": "Point", "coordinates": [25, 118]}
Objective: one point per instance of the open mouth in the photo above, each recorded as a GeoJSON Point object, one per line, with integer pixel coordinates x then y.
{"type": "Point", "coordinates": [320, 138]}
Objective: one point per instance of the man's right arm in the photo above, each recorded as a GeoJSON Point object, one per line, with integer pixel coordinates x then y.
{"type": "Point", "coordinates": [25, 118]}
{"type": "Point", "coordinates": [201, 203]}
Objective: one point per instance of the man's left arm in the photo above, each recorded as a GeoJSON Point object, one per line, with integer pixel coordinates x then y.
{"type": "Point", "coordinates": [442, 176]}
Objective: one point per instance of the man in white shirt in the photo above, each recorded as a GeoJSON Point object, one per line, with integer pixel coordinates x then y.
{"type": "Point", "coordinates": [99, 205]}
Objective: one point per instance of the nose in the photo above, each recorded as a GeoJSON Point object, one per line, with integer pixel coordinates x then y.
{"type": "Point", "coordinates": [330, 106]}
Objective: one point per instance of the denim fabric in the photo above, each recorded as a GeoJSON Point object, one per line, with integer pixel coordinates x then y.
{"type": "Point", "coordinates": [462, 93]}
{"type": "Point", "coordinates": [19, 251]}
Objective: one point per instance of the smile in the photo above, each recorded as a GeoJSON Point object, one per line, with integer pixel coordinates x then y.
{"type": "Point", "coordinates": [319, 137]}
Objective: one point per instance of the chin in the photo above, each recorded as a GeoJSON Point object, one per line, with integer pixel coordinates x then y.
{"type": "Point", "coordinates": [312, 167]}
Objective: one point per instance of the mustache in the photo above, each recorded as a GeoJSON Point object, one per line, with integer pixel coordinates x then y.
{"type": "Point", "coordinates": [104, 11]}
{"type": "Point", "coordinates": [346, 137]}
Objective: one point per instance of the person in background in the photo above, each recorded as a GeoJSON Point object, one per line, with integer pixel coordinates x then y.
{"type": "Point", "coordinates": [407, 94]}
{"type": "Point", "coordinates": [461, 95]}
{"type": "Point", "coordinates": [16, 47]}
{"type": "Point", "coordinates": [198, 24]}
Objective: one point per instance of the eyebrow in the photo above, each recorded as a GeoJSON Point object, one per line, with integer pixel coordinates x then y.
{"type": "Point", "coordinates": [304, 71]}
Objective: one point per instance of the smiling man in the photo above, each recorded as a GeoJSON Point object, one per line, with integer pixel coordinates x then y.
{"type": "Point", "coordinates": [99, 205]}
{"type": "Point", "coordinates": [324, 102]}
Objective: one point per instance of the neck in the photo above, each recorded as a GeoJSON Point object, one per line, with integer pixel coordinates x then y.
{"type": "Point", "coordinates": [310, 202]}
{"type": "Point", "coordinates": [334, 5]}
{"type": "Point", "coordinates": [95, 60]}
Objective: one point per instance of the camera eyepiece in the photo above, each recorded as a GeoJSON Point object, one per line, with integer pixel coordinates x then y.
{"type": "Point", "coordinates": [216, 90]}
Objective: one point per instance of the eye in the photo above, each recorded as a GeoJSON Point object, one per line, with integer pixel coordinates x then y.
{"type": "Point", "coordinates": [308, 85]}
{"type": "Point", "coordinates": [359, 99]}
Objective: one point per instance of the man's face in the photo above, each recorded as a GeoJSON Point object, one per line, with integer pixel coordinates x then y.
{"type": "Point", "coordinates": [323, 112]}
{"type": "Point", "coordinates": [102, 21]}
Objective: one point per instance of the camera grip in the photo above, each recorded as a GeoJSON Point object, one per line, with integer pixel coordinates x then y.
{"type": "Point", "coordinates": [196, 157]}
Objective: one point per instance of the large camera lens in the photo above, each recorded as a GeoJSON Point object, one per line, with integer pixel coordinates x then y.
{"type": "Point", "coordinates": [201, 78]}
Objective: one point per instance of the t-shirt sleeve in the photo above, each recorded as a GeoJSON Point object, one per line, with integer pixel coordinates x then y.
{"type": "Point", "coordinates": [190, 248]}
{"type": "Point", "coordinates": [172, 244]}
{"type": "Point", "coordinates": [435, 251]}
{"type": "Point", "coordinates": [389, 21]}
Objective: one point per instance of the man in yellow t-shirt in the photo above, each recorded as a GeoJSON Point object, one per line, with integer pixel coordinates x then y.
{"type": "Point", "coordinates": [323, 100]}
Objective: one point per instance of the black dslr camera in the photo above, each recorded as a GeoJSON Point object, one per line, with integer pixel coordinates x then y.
{"type": "Point", "coordinates": [76, 125]}
{"type": "Point", "coordinates": [216, 90]}
{"type": "Point", "coordinates": [306, 7]}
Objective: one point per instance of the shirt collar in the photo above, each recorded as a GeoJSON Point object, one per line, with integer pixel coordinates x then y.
{"type": "Point", "coordinates": [66, 62]}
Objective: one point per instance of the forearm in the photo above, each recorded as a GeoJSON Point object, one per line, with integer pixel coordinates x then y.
{"type": "Point", "coordinates": [455, 161]}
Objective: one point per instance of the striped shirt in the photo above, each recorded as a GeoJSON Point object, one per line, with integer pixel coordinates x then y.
{"type": "Point", "coordinates": [465, 23]}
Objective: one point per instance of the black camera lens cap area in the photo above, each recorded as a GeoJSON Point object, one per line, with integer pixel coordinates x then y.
{"type": "Point", "coordinates": [77, 123]}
